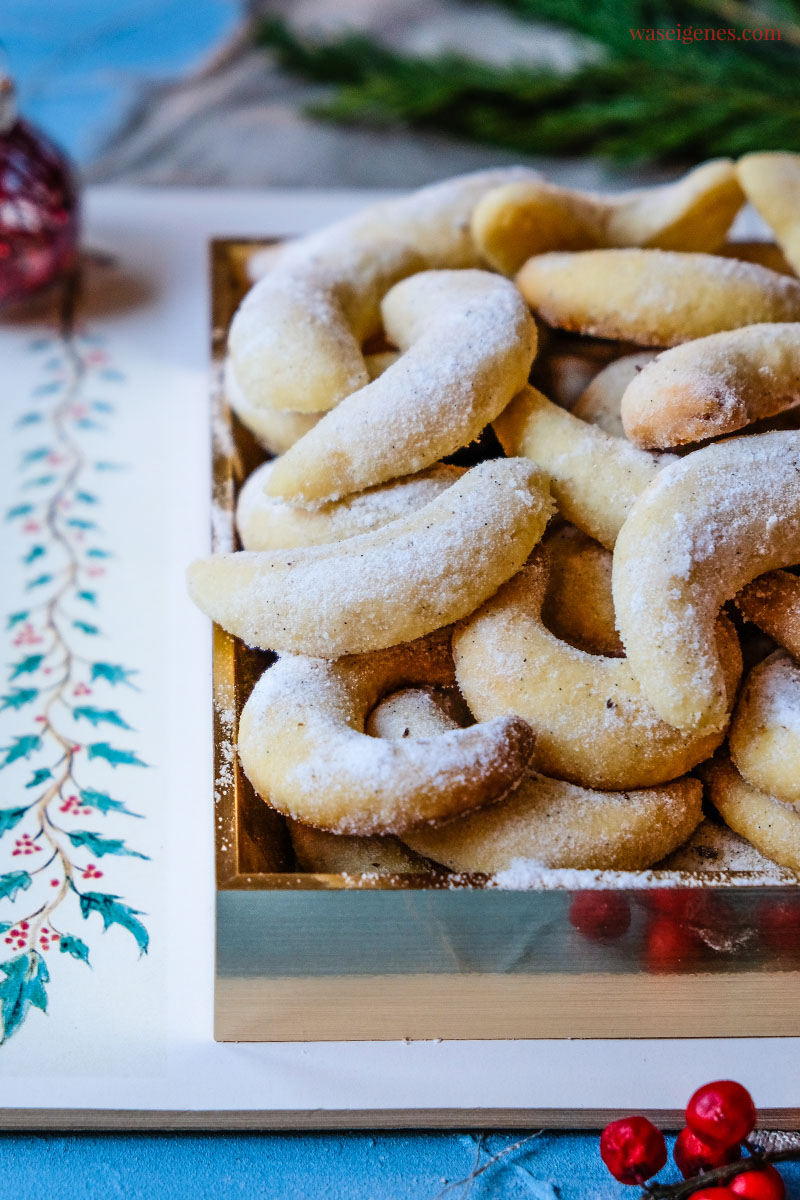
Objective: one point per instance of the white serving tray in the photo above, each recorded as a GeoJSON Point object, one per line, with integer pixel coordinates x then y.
{"type": "Point", "coordinates": [128, 1043]}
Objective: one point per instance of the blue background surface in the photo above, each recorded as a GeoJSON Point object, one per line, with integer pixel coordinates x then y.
{"type": "Point", "coordinates": [78, 64]}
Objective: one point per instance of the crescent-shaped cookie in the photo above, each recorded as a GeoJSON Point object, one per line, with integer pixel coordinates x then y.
{"type": "Point", "coordinates": [654, 297]}
{"type": "Point", "coordinates": [595, 478]}
{"type": "Point", "coordinates": [517, 220]}
{"type": "Point", "coordinates": [266, 523]}
{"type": "Point", "coordinates": [593, 722]}
{"type": "Point", "coordinates": [303, 746]}
{"type": "Point", "coordinates": [548, 821]}
{"type": "Point", "coordinates": [765, 731]}
{"type": "Point", "coordinates": [771, 183]}
{"type": "Point", "coordinates": [772, 827]}
{"type": "Point", "coordinates": [469, 342]}
{"type": "Point", "coordinates": [391, 585]}
{"type": "Point", "coordinates": [296, 338]}
{"type": "Point", "coordinates": [705, 527]}
{"type": "Point", "coordinates": [714, 385]}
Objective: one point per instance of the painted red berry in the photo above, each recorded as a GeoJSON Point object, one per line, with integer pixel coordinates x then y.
{"type": "Point", "coordinates": [764, 1184]}
{"type": "Point", "coordinates": [633, 1149]}
{"type": "Point", "coordinates": [692, 1155]}
{"type": "Point", "coordinates": [721, 1113]}
{"type": "Point", "coordinates": [600, 916]}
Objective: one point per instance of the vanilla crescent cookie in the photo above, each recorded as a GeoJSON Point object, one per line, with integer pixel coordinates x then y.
{"type": "Point", "coordinates": [275, 428]}
{"type": "Point", "coordinates": [600, 403]}
{"type": "Point", "coordinates": [469, 343]}
{"type": "Point", "coordinates": [765, 731]}
{"type": "Point", "coordinates": [342, 854]}
{"type": "Point", "coordinates": [578, 605]}
{"type": "Point", "coordinates": [771, 183]}
{"type": "Point", "coordinates": [545, 820]}
{"type": "Point", "coordinates": [391, 585]}
{"type": "Point", "coordinates": [772, 827]}
{"type": "Point", "coordinates": [593, 722]}
{"type": "Point", "coordinates": [594, 477]}
{"type": "Point", "coordinates": [654, 297]}
{"type": "Point", "coordinates": [296, 338]}
{"type": "Point", "coordinates": [265, 523]}
{"type": "Point", "coordinates": [517, 220]}
{"type": "Point", "coordinates": [704, 528]}
{"type": "Point", "coordinates": [714, 385]}
{"type": "Point", "coordinates": [302, 744]}
{"type": "Point", "coordinates": [773, 604]}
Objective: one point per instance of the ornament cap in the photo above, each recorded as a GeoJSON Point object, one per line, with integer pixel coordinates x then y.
{"type": "Point", "coordinates": [8, 103]}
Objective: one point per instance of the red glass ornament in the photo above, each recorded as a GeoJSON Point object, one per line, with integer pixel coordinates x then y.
{"type": "Point", "coordinates": [692, 1155]}
{"type": "Point", "coordinates": [764, 1184]}
{"type": "Point", "coordinates": [600, 916]}
{"type": "Point", "coordinates": [39, 213]}
{"type": "Point", "coordinates": [633, 1149]}
{"type": "Point", "coordinates": [721, 1113]}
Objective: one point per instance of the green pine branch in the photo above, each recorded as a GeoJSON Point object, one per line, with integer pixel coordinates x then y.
{"type": "Point", "coordinates": [637, 100]}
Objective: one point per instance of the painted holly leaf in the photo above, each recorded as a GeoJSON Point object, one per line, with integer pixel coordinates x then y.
{"type": "Point", "coordinates": [86, 627]}
{"type": "Point", "coordinates": [69, 944]}
{"type": "Point", "coordinates": [17, 697]}
{"type": "Point", "coordinates": [80, 523]}
{"type": "Point", "coordinates": [39, 776]}
{"type": "Point", "coordinates": [27, 666]}
{"type": "Point", "coordinates": [15, 618]}
{"type": "Point", "coordinates": [5, 926]}
{"type": "Point", "coordinates": [114, 912]}
{"type": "Point", "coordinates": [40, 481]}
{"type": "Point", "coordinates": [47, 389]}
{"type": "Point", "coordinates": [23, 986]}
{"type": "Point", "coordinates": [102, 406]}
{"type": "Point", "coordinates": [113, 673]}
{"type": "Point", "coordinates": [12, 883]}
{"type": "Point", "coordinates": [30, 418]}
{"type": "Point", "coordinates": [114, 756]}
{"type": "Point", "coordinates": [89, 597]}
{"type": "Point", "coordinates": [40, 343]}
{"type": "Point", "coordinates": [112, 374]}
{"type": "Point", "coordinates": [96, 552]}
{"type": "Point", "coordinates": [36, 455]}
{"type": "Point", "coordinates": [97, 715]}
{"type": "Point", "coordinates": [109, 466]}
{"type": "Point", "coordinates": [39, 581]}
{"type": "Point", "coordinates": [104, 803]}
{"type": "Point", "coordinates": [88, 423]}
{"type": "Point", "coordinates": [19, 510]}
{"type": "Point", "coordinates": [95, 843]}
{"type": "Point", "coordinates": [32, 555]}
{"type": "Point", "coordinates": [21, 747]}
{"type": "Point", "coordinates": [9, 817]}
{"type": "Point", "coordinates": [86, 497]}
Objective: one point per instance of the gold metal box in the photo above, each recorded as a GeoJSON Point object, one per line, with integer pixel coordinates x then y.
{"type": "Point", "coordinates": [336, 957]}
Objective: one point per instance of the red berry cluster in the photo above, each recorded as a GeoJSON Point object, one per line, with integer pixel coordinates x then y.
{"type": "Point", "coordinates": [719, 1117]}
{"type": "Point", "coordinates": [91, 872]}
{"type": "Point", "coordinates": [25, 845]}
{"type": "Point", "coordinates": [72, 806]}
{"type": "Point", "coordinates": [47, 936]}
{"type": "Point", "coordinates": [17, 936]}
